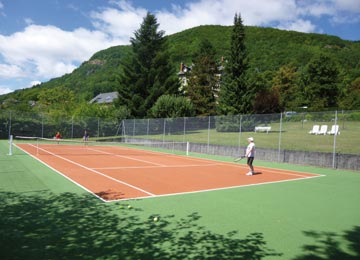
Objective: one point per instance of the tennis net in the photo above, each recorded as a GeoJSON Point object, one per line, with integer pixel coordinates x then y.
{"type": "Point", "coordinates": [80, 147]}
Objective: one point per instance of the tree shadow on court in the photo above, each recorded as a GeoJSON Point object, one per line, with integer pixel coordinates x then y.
{"type": "Point", "coordinates": [331, 246]}
{"type": "Point", "coordinates": [70, 226]}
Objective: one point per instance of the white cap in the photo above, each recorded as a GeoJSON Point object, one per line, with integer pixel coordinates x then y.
{"type": "Point", "coordinates": [251, 139]}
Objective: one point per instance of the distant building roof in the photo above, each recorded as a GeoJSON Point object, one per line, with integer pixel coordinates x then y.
{"type": "Point", "coordinates": [105, 98]}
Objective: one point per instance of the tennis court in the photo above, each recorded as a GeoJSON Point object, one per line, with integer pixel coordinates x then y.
{"type": "Point", "coordinates": [117, 172]}
{"type": "Point", "coordinates": [267, 216]}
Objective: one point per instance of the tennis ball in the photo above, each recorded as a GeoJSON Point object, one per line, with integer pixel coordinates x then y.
{"type": "Point", "coordinates": [156, 219]}
{"type": "Point", "coordinates": [129, 207]}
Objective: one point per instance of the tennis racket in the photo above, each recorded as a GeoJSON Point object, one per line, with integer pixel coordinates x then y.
{"type": "Point", "coordinates": [239, 158]}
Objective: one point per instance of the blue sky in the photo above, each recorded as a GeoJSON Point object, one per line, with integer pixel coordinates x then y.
{"type": "Point", "coordinates": [44, 39]}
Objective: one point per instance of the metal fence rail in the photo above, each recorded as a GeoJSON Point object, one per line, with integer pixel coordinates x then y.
{"type": "Point", "coordinates": [283, 137]}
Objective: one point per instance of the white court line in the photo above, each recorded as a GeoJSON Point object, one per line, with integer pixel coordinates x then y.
{"type": "Point", "coordinates": [94, 171]}
{"type": "Point", "coordinates": [267, 169]}
{"type": "Point", "coordinates": [66, 177]}
{"type": "Point", "coordinates": [146, 167]}
{"type": "Point", "coordinates": [182, 193]}
{"type": "Point", "coordinates": [215, 189]}
{"type": "Point", "coordinates": [127, 157]}
{"type": "Point", "coordinates": [286, 172]}
{"type": "Point", "coordinates": [291, 174]}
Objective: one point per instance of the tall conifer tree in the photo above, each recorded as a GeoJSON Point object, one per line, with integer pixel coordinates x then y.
{"type": "Point", "coordinates": [148, 74]}
{"type": "Point", "coordinates": [202, 88]}
{"type": "Point", "coordinates": [235, 96]}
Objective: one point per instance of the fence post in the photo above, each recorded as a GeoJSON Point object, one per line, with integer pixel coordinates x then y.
{"type": "Point", "coordinates": [208, 140]}
{"type": "Point", "coordinates": [147, 128]}
{"type": "Point", "coordinates": [72, 127]}
{"type": "Point", "coordinates": [42, 125]}
{"type": "Point", "coordinates": [334, 145]}
{"type": "Point", "coordinates": [98, 130]}
{"type": "Point", "coordinates": [240, 134]}
{"type": "Point", "coordinates": [134, 128]}
{"type": "Point", "coordinates": [10, 145]}
{"type": "Point", "coordinates": [280, 130]}
{"type": "Point", "coordinates": [184, 129]}
{"type": "Point", "coordinates": [9, 124]}
{"type": "Point", "coordinates": [164, 130]}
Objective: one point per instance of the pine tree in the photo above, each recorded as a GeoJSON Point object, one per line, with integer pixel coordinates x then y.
{"type": "Point", "coordinates": [235, 96]}
{"type": "Point", "coordinates": [148, 74]}
{"type": "Point", "coordinates": [203, 82]}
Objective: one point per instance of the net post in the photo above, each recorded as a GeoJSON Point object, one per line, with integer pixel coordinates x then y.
{"type": "Point", "coordinates": [187, 148]}
{"type": "Point", "coordinates": [10, 144]}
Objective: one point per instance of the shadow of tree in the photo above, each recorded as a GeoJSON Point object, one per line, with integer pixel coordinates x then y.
{"type": "Point", "coordinates": [70, 226]}
{"type": "Point", "coordinates": [328, 246]}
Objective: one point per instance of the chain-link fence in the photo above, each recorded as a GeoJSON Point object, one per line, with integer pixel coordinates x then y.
{"type": "Point", "coordinates": [328, 139]}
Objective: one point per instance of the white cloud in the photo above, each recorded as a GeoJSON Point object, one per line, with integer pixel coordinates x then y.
{"type": "Point", "coordinates": [119, 23]}
{"type": "Point", "coordinates": [5, 90]}
{"type": "Point", "coordinates": [47, 51]}
{"type": "Point", "coordinates": [28, 21]}
{"type": "Point", "coordinates": [10, 71]}
{"type": "Point", "coordinates": [34, 83]}
{"type": "Point", "coordinates": [348, 5]}
{"type": "Point", "coordinates": [336, 11]}
{"type": "Point", "coordinates": [299, 26]}
{"type": "Point", "coordinates": [260, 12]}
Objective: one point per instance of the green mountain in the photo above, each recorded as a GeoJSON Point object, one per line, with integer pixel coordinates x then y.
{"type": "Point", "coordinates": [268, 50]}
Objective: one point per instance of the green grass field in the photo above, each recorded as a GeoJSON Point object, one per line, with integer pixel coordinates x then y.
{"type": "Point", "coordinates": [294, 136]}
{"type": "Point", "coordinates": [45, 216]}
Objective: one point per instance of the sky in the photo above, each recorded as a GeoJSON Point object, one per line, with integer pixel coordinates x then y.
{"type": "Point", "coordinates": [45, 39]}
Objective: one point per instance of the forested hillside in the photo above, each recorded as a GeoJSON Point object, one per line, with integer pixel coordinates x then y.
{"type": "Point", "coordinates": [269, 50]}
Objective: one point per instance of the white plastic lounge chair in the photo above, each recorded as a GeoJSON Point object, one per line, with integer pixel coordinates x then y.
{"type": "Point", "coordinates": [314, 130]}
{"type": "Point", "coordinates": [334, 130]}
{"type": "Point", "coordinates": [323, 130]}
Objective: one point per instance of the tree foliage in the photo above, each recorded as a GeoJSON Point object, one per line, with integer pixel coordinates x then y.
{"type": "Point", "coordinates": [321, 83]}
{"type": "Point", "coordinates": [147, 74]}
{"type": "Point", "coordinates": [235, 95]}
{"type": "Point", "coordinates": [168, 106]}
{"type": "Point", "coordinates": [351, 95]}
{"type": "Point", "coordinates": [203, 81]}
{"type": "Point", "coordinates": [286, 84]}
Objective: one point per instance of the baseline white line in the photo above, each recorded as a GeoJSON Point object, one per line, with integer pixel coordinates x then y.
{"type": "Point", "coordinates": [285, 173]}
{"type": "Point", "coordinates": [215, 189]}
{"type": "Point", "coordinates": [97, 172]}
{"type": "Point", "coordinates": [58, 172]}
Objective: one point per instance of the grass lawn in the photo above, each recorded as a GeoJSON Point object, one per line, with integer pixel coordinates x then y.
{"type": "Point", "coordinates": [294, 136]}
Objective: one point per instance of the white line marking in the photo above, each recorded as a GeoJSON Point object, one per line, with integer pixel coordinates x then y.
{"type": "Point", "coordinates": [127, 157]}
{"type": "Point", "coordinates": [215, 189]}
{"type": "Point", "coordinates": [191, 159]}
{"type": "Point", "coordinates": [146, 167]}
{"type": "Point", "coordinates": [71, 180]}
{"type": "Point", "coordinates": [97, 172]}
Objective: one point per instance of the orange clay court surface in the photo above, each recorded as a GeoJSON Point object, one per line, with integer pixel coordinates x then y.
{"type": "Point", "coordinates": [120, 173]}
